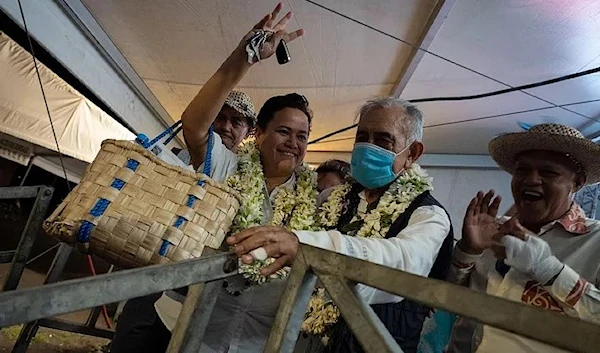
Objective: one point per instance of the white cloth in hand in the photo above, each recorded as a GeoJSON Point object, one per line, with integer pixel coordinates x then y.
{"type": "Point", "coordinates": [259, 254]}
{"type": "Point", "coordinates": [532, 257]}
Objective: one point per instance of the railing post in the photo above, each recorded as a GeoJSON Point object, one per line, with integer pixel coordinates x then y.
{"type": "Point", "coordinates": [194, 317]}
{"type": "Point", "coordinates": [372, 334]}
{"type": "Point", "coordinates": [195, 314]}
{"type": "Point", "coordinates": [56, 269]}
{"type": "Point", "coordinates": [294, 301]}
{"type": "Point", "coordinates": [524, 320]}
{"type": "Point", "coordinates": [34, 222]}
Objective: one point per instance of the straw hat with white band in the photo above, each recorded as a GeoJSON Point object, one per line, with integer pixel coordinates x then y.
{"type": "Point", "coordinates": [550, 137]}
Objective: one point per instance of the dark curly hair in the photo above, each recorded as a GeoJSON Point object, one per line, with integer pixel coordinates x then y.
{"type": "Point", "coordinates": [337, 166]}
{"type": "Point", "coordinates": [277, 103]}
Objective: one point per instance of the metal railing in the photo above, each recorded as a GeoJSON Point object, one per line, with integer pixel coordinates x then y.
{"type": "Point", "coordinates": [333, 270]}
{"type": "Point", "coordinates": [18, 257]}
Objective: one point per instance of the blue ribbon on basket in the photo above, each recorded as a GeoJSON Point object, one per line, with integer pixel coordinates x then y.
{"type": "Point", "coordinates": [85, 230]}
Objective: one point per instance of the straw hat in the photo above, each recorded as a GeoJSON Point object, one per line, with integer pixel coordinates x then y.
{"type": "Point", "coordinates": [241, 103]}
{"type": "Point", "coordinates": [551, 137]}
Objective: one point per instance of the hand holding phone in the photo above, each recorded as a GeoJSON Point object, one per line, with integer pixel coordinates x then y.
{"type": "Point", "coordinates": [282, 52]}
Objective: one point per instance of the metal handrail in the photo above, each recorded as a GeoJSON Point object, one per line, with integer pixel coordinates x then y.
{"type": "Point", "coordinates": [335, 270]}
{"type": "Point", "coordinates": [25, 305]}
{"type": "Point", "coordinates": [332, 269]}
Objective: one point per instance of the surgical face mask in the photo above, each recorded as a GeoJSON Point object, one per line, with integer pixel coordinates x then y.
{"type": "Point", "coordinates": [372, 166]}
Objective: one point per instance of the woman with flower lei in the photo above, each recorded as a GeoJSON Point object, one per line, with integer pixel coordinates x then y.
{"type": "Point", "coordinates": [293, 209]}
{"type": "Point", "coordinates": [275, 187]}
{"type": "Point", "coordinates": [387, 216]}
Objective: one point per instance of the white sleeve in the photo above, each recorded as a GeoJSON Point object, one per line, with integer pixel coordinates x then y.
{"type": "Point", "coordinates": [223, 161]}
{"type": "Point", "coordinates": [413, 250]}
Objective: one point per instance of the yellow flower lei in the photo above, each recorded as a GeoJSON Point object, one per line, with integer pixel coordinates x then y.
{"type": "Point", "coordinates": [322, 312]}
{"type": "Point", "coordinates": [293, 209]}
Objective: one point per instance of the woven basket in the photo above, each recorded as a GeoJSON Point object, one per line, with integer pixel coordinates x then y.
{"type": "Point", "coordinates": [132, 209]}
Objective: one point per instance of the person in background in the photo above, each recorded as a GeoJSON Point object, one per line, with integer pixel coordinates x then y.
{"type": "Point", "coordinates": [332, 173]}
{"type": "Point", "coordinates": [412, 231]}
{"type": "Point", "coordinates": [139, 328]}
{"type": "Point", "coordinates": [236, 120]}
{"type": "Point", "coordinates": [234, 123]}
{"type": "Point", "coordinates": [546, 255]}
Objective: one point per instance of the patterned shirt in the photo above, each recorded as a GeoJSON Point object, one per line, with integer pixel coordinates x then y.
{"type": "Point", "coordinates": [575, 241]}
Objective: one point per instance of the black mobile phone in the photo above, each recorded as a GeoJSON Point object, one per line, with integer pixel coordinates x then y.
{"type": "Point", "coordinates": [282, 52]}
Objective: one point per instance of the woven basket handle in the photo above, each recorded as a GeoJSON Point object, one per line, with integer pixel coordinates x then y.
{"type": "Point", "coordinates": [170, 133]}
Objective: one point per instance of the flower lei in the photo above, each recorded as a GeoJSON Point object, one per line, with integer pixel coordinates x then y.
{"type": "Point", "coordinates": [293, 209]}
{"type": "Point", "coordinates": [322, 313]}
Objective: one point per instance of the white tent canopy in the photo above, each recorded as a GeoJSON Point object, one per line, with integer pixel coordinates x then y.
{"type": "Point", "coordinates": [79, 124]}
{"type": "Point", "coordinates": [355, 50]}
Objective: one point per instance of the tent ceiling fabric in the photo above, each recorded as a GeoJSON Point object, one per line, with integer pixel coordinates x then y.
{"type": "Point", "coordinates": [80, 125]}
{"type": "Point", "coordinates": [338, 64]}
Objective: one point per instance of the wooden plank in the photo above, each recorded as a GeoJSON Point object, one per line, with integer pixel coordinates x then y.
{"type": "Point", "coordinates": [195, 314]}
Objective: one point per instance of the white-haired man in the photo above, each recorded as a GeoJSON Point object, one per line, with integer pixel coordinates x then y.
{"type": "Point", "coordinates": [412, 231]}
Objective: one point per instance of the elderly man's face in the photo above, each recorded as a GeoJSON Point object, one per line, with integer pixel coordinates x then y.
{"type": "Point", "coordinates": [232, 127]}
{"type": "Point", "coordinates": [385, 128]}
{"type": "Point", "coordinates": [543, 185]}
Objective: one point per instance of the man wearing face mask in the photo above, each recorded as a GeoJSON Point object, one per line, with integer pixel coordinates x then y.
{"type": "Point", "coordinates": [390, 203]}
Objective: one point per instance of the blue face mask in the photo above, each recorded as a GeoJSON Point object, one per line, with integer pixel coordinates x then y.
{"type": "Point", "coordinates": [372, 165]}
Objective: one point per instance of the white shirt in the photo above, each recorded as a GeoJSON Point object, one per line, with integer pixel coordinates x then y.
{"type": "Point", "coordinates": [413, 250]}
{"type": "Point", "coordinates": [574, 292]}
{"type": "Point", "coordinates": [223, 161]}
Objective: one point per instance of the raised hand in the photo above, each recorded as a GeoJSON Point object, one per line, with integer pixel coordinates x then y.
{"type": "Point", "coordinates": [268, 23]}
{"type": "Point", "coordinates": [479, 224]}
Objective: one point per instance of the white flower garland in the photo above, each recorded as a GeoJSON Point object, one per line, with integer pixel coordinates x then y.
{"type": "Point", "coordinates": [322, 313]}
{"type": "Point", "coordinates": [293, 209]}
